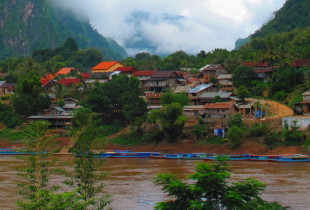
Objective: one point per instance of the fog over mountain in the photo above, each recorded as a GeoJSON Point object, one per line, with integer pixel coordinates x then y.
{"type": "Point", "coordinates": [163, 27]}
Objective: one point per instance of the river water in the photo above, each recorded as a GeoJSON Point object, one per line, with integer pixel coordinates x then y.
{"type": "Point", "coordinates": [130, 180]}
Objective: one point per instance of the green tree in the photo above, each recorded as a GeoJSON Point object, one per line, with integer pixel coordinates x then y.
{"type": "Point", "coordinates": [29, 97]}
{"type": "Point", "coordinates": [212, 191]}
{"type": "Point", "coordinates": [169, 97]}
{"type": "Point", "coordinates": [89, 188]}
{"type": "Point", "coordinates": [243, 92]}
{"type": "Point", "coordinates": [118, 99]}
{"type": "Point", "coordinates": [199, 130]}
{"type": "Point", "coordinates": [172, 120]}
{"type": "Point", "coordinates": [34, 189]}
{"type": "Point", "coordinates": [243, 76]}
{"type": "Point", "coordinates": [235, 134]}
{"type": "Point", "coordinates": [236, 120]}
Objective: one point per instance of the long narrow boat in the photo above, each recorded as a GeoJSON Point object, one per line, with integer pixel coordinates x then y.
{"type": "Point", "coordinates": [183, 156]}
{"type": "Point", "coordinates": [292, 159]}
{"type": "Point", "coordinates": [272, 157]}
{"type": "Point", "coordinates": [128, 154]}
{"type": "Point", "coordinates": [228, 157]}
{"type": "Point", "coordinates": [14, 151]}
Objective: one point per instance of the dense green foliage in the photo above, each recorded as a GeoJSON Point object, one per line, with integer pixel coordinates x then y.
{"type": "Point", "coordinates": [28, 25]}
{"type": "Point", "coordinates": [294, 14]}
{"type": "Point", "coordinates": [212, 191]}
{"type": "Point", "coordinates": [8, 116]}
{"type": "Point", "coordinates": [117, 100]}
{"type": "Point", "coordinates": [29, 98]}
{"type": "Point", "coordinates": [171, 120]}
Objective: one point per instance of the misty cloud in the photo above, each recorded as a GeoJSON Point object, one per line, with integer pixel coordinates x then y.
{"type": "Point", "coordinates": [163, 27]}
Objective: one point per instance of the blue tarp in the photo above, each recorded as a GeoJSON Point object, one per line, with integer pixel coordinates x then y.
{"type": "Point", "coordinates": [259, 114]}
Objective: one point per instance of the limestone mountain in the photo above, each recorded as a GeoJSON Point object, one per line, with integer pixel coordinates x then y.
{"type": "Point", "coordinates": [295, 14]}
{"type": "Point", "coordinates": [28, 25]}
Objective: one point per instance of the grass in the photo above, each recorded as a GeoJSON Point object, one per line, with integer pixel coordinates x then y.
{"type": "Point", "coordinates": [11, 135]}
{"type": "Point", "coordinates": [213, 140]}
{"type": "Point", "coordinates": [127, 140]}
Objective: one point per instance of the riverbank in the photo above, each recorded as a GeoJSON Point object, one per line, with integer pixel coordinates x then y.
{"type": "Point", "coordinates": [248, 147]}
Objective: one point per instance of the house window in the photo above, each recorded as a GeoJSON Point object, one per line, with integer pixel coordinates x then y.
{"type": "Point", "coordinates": [194, 94]}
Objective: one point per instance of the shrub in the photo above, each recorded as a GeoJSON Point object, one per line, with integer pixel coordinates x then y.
{"type": "Point", "coordinates": [258, 130]}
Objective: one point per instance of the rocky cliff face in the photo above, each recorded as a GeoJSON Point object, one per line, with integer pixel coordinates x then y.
{"type": "Point", "coordinates": [27, 25]}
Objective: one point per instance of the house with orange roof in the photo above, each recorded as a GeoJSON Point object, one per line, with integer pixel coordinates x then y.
{"type": "Point", "coordinates": [219, 112]}
{"type": "Point", "coordinates": [107, 66]}
{"type": "Point", "coordinates": [64, 71]}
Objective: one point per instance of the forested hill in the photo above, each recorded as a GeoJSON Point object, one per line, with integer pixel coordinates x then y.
{"type": "Point", "coordinates": [28, 25]}
{"type": "Point", "coordinates": [295, 14]}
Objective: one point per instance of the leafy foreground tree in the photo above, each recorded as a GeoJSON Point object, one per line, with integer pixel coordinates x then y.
{"type": "Point", "coordinates": [212, 191]}
{"type": "Point", "coordinates": [88, 184]}
{"type": "Point", "coordinates": [35, 189]}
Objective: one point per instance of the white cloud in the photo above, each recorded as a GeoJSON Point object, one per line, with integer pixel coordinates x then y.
{"type": "Point", "coordinates": [167, 26]}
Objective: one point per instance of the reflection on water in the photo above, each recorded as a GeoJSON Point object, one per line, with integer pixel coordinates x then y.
{"type": "Point", "coordinates": [130, 180]}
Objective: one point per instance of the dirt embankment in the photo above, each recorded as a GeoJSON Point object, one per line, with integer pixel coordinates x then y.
{"type": "Point", "coordinates": [279, 110]}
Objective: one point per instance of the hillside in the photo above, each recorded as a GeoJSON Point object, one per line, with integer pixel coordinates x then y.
{"type": "Point", "coordinates": [28, 25]}
{"type": "Point", "coordinates": [295, 14]}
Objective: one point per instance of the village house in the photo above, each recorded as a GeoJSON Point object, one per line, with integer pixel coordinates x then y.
{"type": "Point", "coordinates": [262, 69]}
{"type": "Point", "coordinates": [212, 70]}
{"type": "Point", "coordinates": [6, 88]}
{"type": "Point", "coordinates": [209, 97]}
{"type": "Point", "coordinates": [225, 82]}
{"type": "Point", "coordinates": [301, 63]}
{"type": "Point", "coordinates": [107, 67]}
{"type": "Point", "coordinates": [152, 99]}
{"type": "Point", "coordinates": [219, 112]}
{"type": "Point", "coordinates": [196, 92]}
{"type": "Point", "coordinates": [143, 76]}
{"type": "Point", "coordinates": [196, 111]}
{"type": "Point", "coordinates": [162, 80]}
{"type": "Point", "coordinates": [306, 102]}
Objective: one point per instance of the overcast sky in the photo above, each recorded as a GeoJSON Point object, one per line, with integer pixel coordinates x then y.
{"type": "Point", "coordinates": [165, 26]}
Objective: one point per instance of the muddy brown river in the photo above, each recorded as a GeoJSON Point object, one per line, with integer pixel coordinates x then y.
{"type": "Point", "coordinates": [130, 180]}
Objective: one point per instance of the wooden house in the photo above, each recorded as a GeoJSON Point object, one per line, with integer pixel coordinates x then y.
{"type": "Point", "coordinates": [162, 80]}
{"type": "Point", "coordinates": [6, 88]}
{"type": "Point", "coordinates": [306, 102]}
{"type": "Point", "coordinates": [196, 92]}
{"type": "Point", "coordinates": [225, 82]}
{"type": "Point", "coordinates": [219, 112]}
{"type": "Point", "coordinates": [212, 70]}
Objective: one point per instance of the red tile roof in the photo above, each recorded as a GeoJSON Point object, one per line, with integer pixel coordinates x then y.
{"type": "Point", "coordinates": [143, 73]}
{"type": "Point", "coordinates": [126, 69]}
{"type": "Point", "coordinates": [301, 62]}
{"type": "Point", "coordinates": [218, 105]}
{"type": "Point", "coordinates": [256, 64]}
{"type": "Point", "coordinates": [86, 75]}
{"type": "Point", "coordinates": [68, 81]}
{"type": "Point", "coordinates": [105, 65]}
{"type": "Point", "coordinates": [64, 71]}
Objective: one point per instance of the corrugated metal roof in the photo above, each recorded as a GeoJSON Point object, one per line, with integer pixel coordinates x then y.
{"type": "Point", "coordinates": [181, 89]}
{"type": "Point", "coordinates": [210, 67]}
{"type": "Point", "coordinates": [199, 88]}
{"type": "Point", "coordinates": [51, 117]}
{"type": "Point", "coordinates": [212, 95]}
{"type": "Point", "coordinates": [2, 82]}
